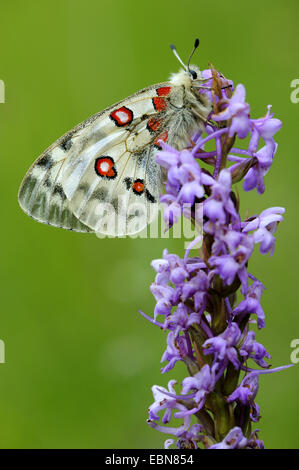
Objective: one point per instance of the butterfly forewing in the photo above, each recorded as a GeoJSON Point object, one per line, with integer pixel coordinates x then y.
{"type": "Point", "coordinates": [104, 169]}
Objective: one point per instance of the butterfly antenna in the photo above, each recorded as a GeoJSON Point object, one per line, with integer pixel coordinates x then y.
{"type": "Point", "coordinates": [196, 44]}
{"type": "Point", "coordinates": [173, 48]}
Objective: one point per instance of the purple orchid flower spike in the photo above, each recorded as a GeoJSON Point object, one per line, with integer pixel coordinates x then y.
{"type": "Point", "coordinates": [208, 302]}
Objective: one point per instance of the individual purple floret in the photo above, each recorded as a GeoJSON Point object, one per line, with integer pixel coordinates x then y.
{"type": "Point", "coordinates": [238, 111]}
{"type": "Point", "coordinates": [202, 383]}
{"type": "Point", "coordinates": [251, 304]}
{"type": "Point", "coordinates": [167, 405]}
{"type": "Point", "coordinates": [223, 346]}
{"type": "Point", "coordinates": [233, 440]}
{"type": "Point", "coordinates": [219, 205]}
{"type": "Point", "coordinates": [251, 349]}
{"type": "Point", "coordinates": [255, 176]}
{"type": "Point", "coordinates": [264, 226]}
{"type": "Point", "coordinates": [207, 303]}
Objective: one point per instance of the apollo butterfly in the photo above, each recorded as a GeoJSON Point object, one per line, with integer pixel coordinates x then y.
{"type": "Point", "coordinates": [106, 165]}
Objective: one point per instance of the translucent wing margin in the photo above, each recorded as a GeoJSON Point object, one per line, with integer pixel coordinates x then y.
{"type": "Point", "coordinates": [41, 195]}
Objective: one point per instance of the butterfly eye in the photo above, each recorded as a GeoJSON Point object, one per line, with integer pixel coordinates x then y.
{"type": "Point", "coordinates": [193, 74]}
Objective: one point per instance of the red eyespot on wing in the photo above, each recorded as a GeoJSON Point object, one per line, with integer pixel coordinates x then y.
{"type": "Point", "coordinates": [164, 90]}
{"type": "Point", "coordinates": [104, 167]}
{"type": "Point", "coordinates": [122, 116]}
{"type": "Point", "coordinates": [162, 137]}
{"type": "Point", "coordinates": [153, 124]}
{"type": "Point", "coordinates": [138, 186]}
{"type": "Point", "coordinates": [159, 103]}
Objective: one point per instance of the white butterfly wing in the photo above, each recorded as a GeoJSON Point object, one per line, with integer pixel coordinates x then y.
{"type": "Point", "coordinates": [101, 176]}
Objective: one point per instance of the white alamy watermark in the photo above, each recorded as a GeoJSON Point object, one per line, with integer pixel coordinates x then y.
{"type": "Point", "coordinates": [294, 357]}
{"type": "Point", "coordinates": [2, 351]}
{"type": "Point", "coordinates": [2, 91]}
{"type": "Point", "coordinates": [144, 220]}
{"type": "Point", "coordinates": [295, 93]}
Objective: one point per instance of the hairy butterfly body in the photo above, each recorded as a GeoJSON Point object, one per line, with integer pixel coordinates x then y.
{"type": "Point", "coordinates": [102, 175]}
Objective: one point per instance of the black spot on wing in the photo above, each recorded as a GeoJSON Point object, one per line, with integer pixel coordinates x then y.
{"type": "Point", "coordinates": [128, 183]}
{"type": "Point", "coordinates": [149, 196]}
{"type": "Point", "coordinates": [83, 187]}
{"type": "Point", "coordinates": [66, 145]}
{"type": "Point", "coordinates": [114, 204]}
{"type": "Point", "coordinates": [47, 183]}
{"type": "Point", "coordinates": [59, 190]}
{"type": "Point", "coordinates": [45, 162]}
{"type": "Point", "coordinates": [100, 194]}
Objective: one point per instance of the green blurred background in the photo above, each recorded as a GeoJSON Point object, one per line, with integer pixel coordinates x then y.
{"type": "Point", "coordinates": [80, 360]}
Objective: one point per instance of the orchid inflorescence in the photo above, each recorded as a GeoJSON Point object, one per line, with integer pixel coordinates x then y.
{"type": "Point", "coordinates": [208, 303]}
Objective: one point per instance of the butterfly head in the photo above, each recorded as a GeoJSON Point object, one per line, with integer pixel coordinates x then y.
{"type": "Point", "coordinates": [189, 78]}
{"type": "Point", "coordinates": [190, 75]}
